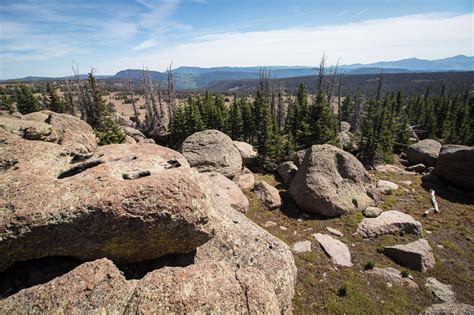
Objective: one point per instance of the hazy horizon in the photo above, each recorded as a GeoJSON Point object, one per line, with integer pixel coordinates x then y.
{"type": "Point", "coordinates": [45, 38]}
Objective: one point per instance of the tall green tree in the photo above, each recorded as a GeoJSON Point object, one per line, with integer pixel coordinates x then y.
{"type": "Point", "coordinates": [346, 108]}
{"type": "Point", "coordinates": [55, 103]}
{"type": "Point", "coordinates": [26, 102]}
{"type": "Point", "coordinates": [6, 102]}
{"type": "Point", "coordinates": [235, 120]}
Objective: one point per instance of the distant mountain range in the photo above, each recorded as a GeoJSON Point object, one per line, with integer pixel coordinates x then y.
{"type": "Point", "coordinates": [195, 77]}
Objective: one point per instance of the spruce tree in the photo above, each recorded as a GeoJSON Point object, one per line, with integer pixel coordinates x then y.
{"type": "Point", "coordinates": [266, 142]}
{"type": "Point", "coordinates": [248, 126]}
{"type": "Point", "coordinates": [322, 121]}
{"type": "Point", "coordinates": [178, 128]}
{"type": "Point", "coordinates": [235, 121]}
{"type": "Point", "coordinates": [346, 108]}
{"type": "Point", "coordinates": [6, 102]}
{"type": "Point", "coordinates": [55, 103]}
{"type": "Point", "coordinates": [26, 102]}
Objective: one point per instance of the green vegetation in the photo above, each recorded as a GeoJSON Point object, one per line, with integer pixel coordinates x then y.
{"type": "Point", "coordinates": [26, 102]}
{"type": "Point", "coordinates": [56, 104]}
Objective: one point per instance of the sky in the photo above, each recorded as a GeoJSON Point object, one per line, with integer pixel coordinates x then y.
{"type": "Point", "coordinates": [48, 37]}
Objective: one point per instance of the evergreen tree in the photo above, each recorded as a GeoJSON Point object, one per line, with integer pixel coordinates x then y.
{"type": "Point", "coordinates": [26, 102]}
{"type": "Point", "coordinates": [346, 108]}
{"type": "Point", "coordinates": [266, 142]}
{"type": "Point", "coordinates": [178, 128]}
{"type": "Point", "coordinates": [248, 126]}
{"type": "Point", "coordinates": [6, 102]}
{"type": "Point", "coordinates": [55, 103]}
{"type": "Point", "coordinates": [235, 121]}
{"type": "Point", "coordinates": [106, 128]}
{"type": "Point", "coordinates": [193, 122]}
{"type": "Point", "coordinates": [323, 123]}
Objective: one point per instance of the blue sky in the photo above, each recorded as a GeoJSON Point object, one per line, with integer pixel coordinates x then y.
{"type": "Point", "coordinates": [47, 37]}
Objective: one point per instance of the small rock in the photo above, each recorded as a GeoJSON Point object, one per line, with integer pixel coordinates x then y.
{"type": "Point", "coordinates": [416, 168]}
{"type": "Point", "coordinates": [306, 216]}
{"type": "Point", "coordinates": [269, 195]}
{"type": "Point", "coordinates": [416, 255]}
{"type": "Point", "coordinates": [372, 212]}
{"type": "Point", "coordinates": [335, 249]}
{"type": "Point", "coordinates": [385, 186]}
{"type": "Point", "coordinates": [443, 292]}
{"type": "Point", "coordinates": [301, 247]}
{"type": "Point", "coordinates": [287, 171]}
{"type": "Point", "coordinates": [270, 224]}
{"type": "Point", "coordinates": [440, 246]}
{"type": "Point", "coordinates": [283, 228]}
{"type": "Point", "coordinates": [334, 231]}
{"type": "Point", "coordinates": [406, 182]}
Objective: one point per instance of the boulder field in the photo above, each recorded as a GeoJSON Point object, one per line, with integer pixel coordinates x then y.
{"type": "Point", "coordinates": [116, 205]}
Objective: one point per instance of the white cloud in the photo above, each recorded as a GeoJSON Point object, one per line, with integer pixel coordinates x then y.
{"type": "Point", "coordinates": [428, 36]}
{"type": "Point", "coordinates": [146, 44]}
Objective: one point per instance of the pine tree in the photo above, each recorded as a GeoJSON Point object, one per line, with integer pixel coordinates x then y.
{"type": "Point", "coordinates": [178, 128]}
{"type": "Point", "coordinates": [322, 121]}
{"type": "Point", "coordinates": [6, 102]}
{"type": "Point", "coordinates": [266, 142]}
{"type": "Point", "coordinates": [106, 128]}
{"type": "Point", "coordinates": [235, 121]}
{"type": "Point", "coordinates": [248, 126]}
{"type": "Point", "coordinates": [55, 103]}
{"type": "Point", "coordinates": [346, 108]}
{"type": "Point", "coordinates": [26, 102]}
{"type": "Point", "coordinates": [193, 121]}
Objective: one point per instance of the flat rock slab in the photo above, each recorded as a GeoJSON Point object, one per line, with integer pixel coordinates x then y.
{"type": "Point", "coordinates": [269, 195]}
{"type": "Point", "coordinates": [389, 222]}
{"type": "Point", "coordinates": [335, 249]}
{"type": "Point", "coordinates": [443, 292]}
{"type": "Point", "coordinates": [393, 275]}
{"type": "Point", "coordinates": [449, 309]}
{"type": "Point", "coordinates": [334, 231]}
{"type": "Point", "coordinates": [301, 247]}
{"type": "Point", "coordinates": [416, 255]}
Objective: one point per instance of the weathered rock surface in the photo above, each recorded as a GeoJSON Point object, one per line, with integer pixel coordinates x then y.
{"type": "Point", "coordinates": [389, 168]}
{"type": "Point", "coordinates": [372, 212]}
{"type": "Point", "coordinates": [385, 186]}
{"type": "Point", "coordinates": [346, 140]}
{"type": "Point", "coordinates": [331, 182]}
{"type": "Point", "coordinates": [389, 222]}
{"type": "Point", "coordinates": [345, 126]}
{"type": "Point", "coordinates": [245, 180]}
{"type": "Point", "coordinates": [393, 275]}
{"type": "Point", "coordinates": [443, 292]}
{"type": "Point", "coordinates": [301, 247]}
{"type": "Point", "coordinates": [212, 150]}
{"type": "Point", "coordinates": [91, 288]}
{"type": "Point", "coordinates": [287, 171]}
{"type": "Point", "coordinates": [425, 152]}
{"type": "Point", "coordinates": [416, 255]}
{"type": "Point", "coordinates": [203, 288]}
{"type": "Point", "coordinates": [74, 135]}
{"type": "Point", "coordinates": [225, 192]}
{"type": "Point", "coordinates": [449, 309]}
{"type": "Point", "coordinates": [242, 243]}
{"type": "Point", "coordinates": [456, 165]}
{"type": "Point", "coordinates": [335, 249]}
{"type": "Point", "coordinates": [99, 287]}
{"type": "Point", "coordinates": [247, 152]}
{"type": "Point", "coordinates": [126, 202]}
{"type": "Point", "coordinates": [269, 195]}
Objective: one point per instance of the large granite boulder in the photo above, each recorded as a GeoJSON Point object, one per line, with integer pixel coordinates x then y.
{"type": "Point", "coordinates": [242, 243]}
{"type": "Point", "coordinates": [99, 287]}
{"type": "Point", "coordinates": [331, 182]}
{"type": "Point", "coordinates": [212, 150]}
{"type": "Point", "coordinates": [416, 255]}
{"type": "Point", "coordinates": [125, 202]}
{"type": "Point", "coordinates": [425, 152]}
{"type": "Point", "coordinates": [247, 152]}
{"type": "Point", "coordinates": [226, 191]}
{"type": "Point", "coordinates": [456, 165]}
{"type": "Point", "coordinates": [389, 222]}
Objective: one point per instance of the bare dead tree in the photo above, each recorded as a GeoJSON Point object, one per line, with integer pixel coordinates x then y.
{"type": "Point", "coordinates": [171, 96]}
{"type": "Point", "coordinates": [321, 72]}
{"type": "Point", "coordinates": [330, 88]}
{"type": "Point", "coordinates": [85, 101]}
{"type": "Point", "coordinates": [136, 117]}
{"type": "Point", "coordinates": [70, 99]}
{"type": "Point", "coordinates": [264, 83]}
{"type": "Point", "coordinates": [340, 81]}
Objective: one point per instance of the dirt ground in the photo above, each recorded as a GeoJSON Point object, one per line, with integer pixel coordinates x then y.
{"type": "Point", "coordinates": [450, 234]}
